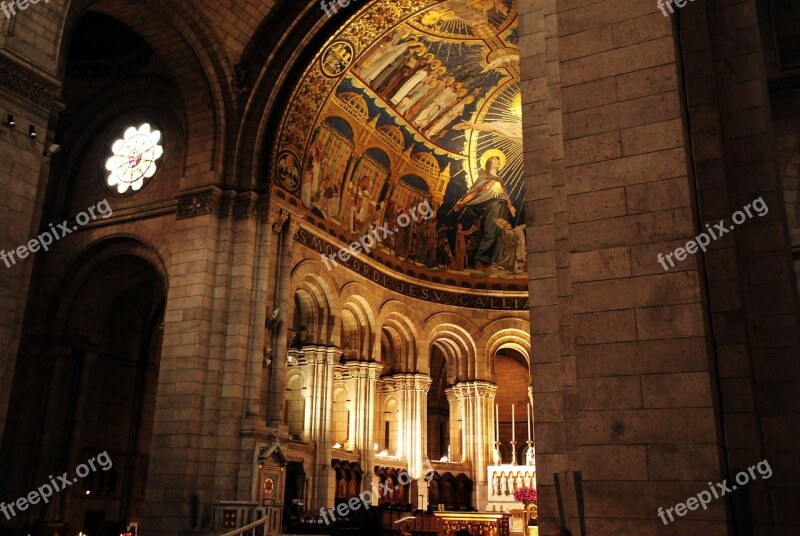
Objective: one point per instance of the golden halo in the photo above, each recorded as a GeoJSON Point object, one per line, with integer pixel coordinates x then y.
{"type": "Point", "coordinates": [492, 153]}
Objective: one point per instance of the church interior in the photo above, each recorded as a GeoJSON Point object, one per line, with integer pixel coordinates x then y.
{"type": "Point", "coordinates": [401, 267]}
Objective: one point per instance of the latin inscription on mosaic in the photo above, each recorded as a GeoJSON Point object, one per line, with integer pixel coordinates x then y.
{"type": "Point", "coordinates": [419, 291]}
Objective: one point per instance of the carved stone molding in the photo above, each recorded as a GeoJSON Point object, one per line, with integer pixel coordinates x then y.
{"type": "Point", "coordinates": [277, 218]}
{"type": "Point", "coordinates": [26, 85]}
{"type": "Point", "coordinates": [262, 209]}
{"type": "Point", "coordinates": [197, 205]}
{"type": "Point", "coordinates": [226, 204]}
{"type": "Point", "coordinates": [244, 209]}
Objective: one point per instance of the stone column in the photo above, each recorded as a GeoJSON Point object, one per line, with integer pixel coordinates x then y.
{"type": "Point", "coordinates": [259, 244]}
{"type": "Point", "coordinates": [28, 95]}
{"type": "Point", "coordinates": [366, 376]}
{"type": "Point", "coordinates": [456, 421]}
{"type": "Point", "coordinates": [283, 272]}
{"type": "Point", "coordinates": [478, 401]}
{"type": "Point", "coordinates": [413, 411]}
{"type": "Point", "coordinates": [320, 380]}
{"type": "Point", "coordinates": [187, 413]}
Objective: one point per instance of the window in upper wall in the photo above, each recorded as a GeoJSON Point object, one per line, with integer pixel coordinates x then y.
{"type": "Point", "coordinates": [133, 159]}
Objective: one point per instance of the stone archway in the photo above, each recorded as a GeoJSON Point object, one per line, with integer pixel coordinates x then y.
{"type": "Point", "coordinates": [89, 386]}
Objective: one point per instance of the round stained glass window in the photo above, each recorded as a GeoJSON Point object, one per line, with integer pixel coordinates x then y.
{"type": "Point", "coordinates": [134, 158]}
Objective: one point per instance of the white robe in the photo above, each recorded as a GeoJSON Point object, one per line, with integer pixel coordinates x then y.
{"type": "Point", "coordinates": [412, 82]}
{"type": "Point", "coordinates": [444, 100]}
{"type": "Point", "coordinates": [371, 73]}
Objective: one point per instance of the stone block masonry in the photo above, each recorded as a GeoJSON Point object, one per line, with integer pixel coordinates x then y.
{"type": "Point", "coordinates": [703, 240]}
{"type": "Point", "coordinates": [10, 9]}
{"type": "Point", "coordinates": [55, 233]}
{"type": "Point", "coordinates": [679, 3]}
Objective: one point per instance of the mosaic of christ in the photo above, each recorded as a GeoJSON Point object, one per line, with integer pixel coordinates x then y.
{"type": "Point", "coordinates": [426, 109]}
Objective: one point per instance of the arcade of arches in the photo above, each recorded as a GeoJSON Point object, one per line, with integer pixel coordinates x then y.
{"type": "Point", "coordinates": [355, 251]}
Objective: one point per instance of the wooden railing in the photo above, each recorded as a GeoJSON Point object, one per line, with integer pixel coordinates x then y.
{"type": "Point", "coordinates": [254, 525]}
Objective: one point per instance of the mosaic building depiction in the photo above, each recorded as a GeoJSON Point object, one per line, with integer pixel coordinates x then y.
{"type": "Point", "coordinates": [414, 267]}
{"type": "Point", "coordinates": [412, 115]}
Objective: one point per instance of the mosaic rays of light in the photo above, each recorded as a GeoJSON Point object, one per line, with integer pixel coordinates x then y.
{"type": "Point", "coordinates": [502, 114]}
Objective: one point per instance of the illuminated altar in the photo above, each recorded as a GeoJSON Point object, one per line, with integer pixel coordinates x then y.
{"type": "Point", "coordinates": [477, 523]}
{"type": "Point", "coordinates": [504, 479]}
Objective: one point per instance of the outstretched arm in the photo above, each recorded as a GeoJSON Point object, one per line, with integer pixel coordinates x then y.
{"type": "Point", "coordinates": [483, 127]}
{"type": "Point", "coordinates": [510, 205]}
{"type": "Point", "coordinates": [469, 196]}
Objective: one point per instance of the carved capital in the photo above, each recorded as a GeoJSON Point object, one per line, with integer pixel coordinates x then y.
{"type": "Point", "coordinates": [475, 389]}
{"type": "Point", "coordinates": [224, 204]}
{"type": "Point", "coordinates": [407, 382]}
{"type": "Point", "coordinates": [375, 371]}
{"type": "Point", "coordinates": [229, 203]}
{"type": "Point", "coordinates": [277, 217]}
{"type": "Point", "coordinates": [262, 209]}
{"type": "Point", "coordinates": [197, 205]}
{"type": "Point", "coordinates": [243, 208]}
{"type": "Point", "coordinates": [294, 226]}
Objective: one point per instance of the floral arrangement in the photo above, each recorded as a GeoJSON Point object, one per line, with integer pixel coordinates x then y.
{"type": "Point", "coordinates": [526, 495]}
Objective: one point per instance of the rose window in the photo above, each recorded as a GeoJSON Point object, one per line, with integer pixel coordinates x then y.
{"type": "Point", "coordinates": [134, 158]}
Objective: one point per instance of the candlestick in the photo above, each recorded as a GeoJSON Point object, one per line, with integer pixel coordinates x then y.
{"type": "Point", "coordinates": [528, 406]}
{"type": "Point", "coordinates": [497, 423]}
{"type": "Point", "coordinates": [513, 425]}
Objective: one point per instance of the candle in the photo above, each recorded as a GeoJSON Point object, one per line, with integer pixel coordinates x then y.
{"type": "Point", "coordinates": [497, 423]}
{"type": "Point", "coordinates": [513, 425]}
{"type": "Point", "coordinates": [528, 406]}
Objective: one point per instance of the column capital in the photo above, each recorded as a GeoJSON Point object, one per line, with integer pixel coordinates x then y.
{"type": "Point", "coordinates": [277, 217]}
{"type": "Point", "coordinates": [314, 355]}
{"type": "Point", "coordinates": [475, 389]}
{"type": "Point", "coordinates": [294, 226]}
{"type": "Point", "coordinates": [329, 355]}
{"type": "Point", "coordinates": [407, 382]}
{"type": "Point", "coordinates": [374, 370]}
{"type": "Point", "coordinates": [359, 369]}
